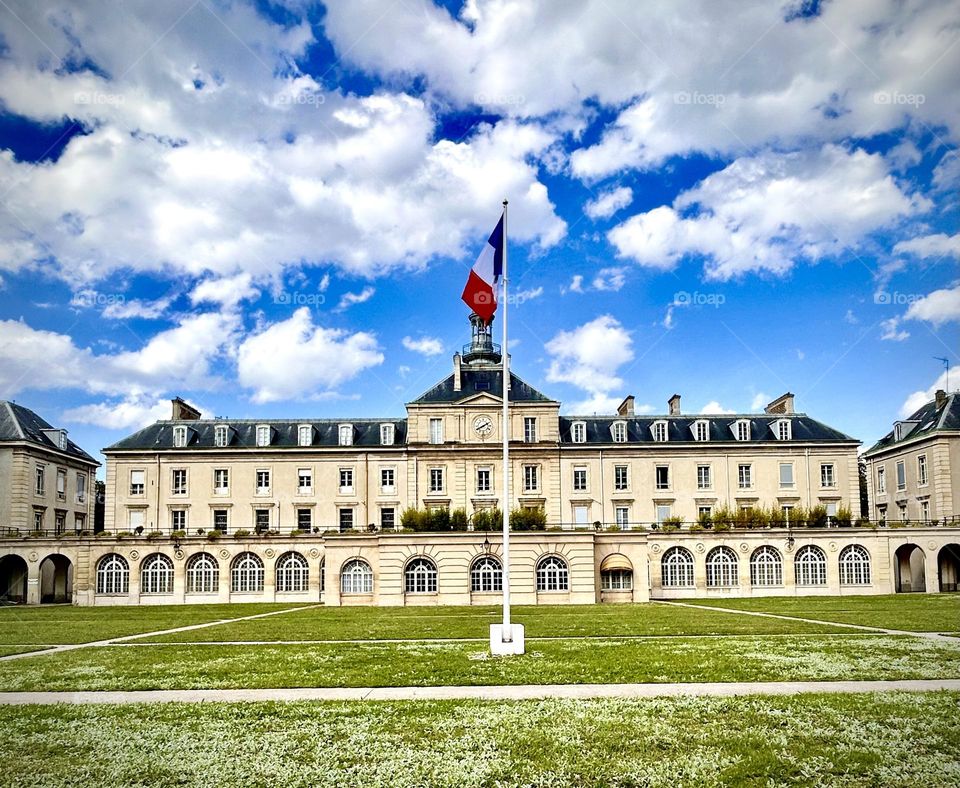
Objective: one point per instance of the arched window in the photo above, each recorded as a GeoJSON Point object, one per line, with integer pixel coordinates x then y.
{"type": "Point", "coordinates": [247, 573]}
{"type": "Point", "coordinates": [616, 573]}
{"type": "Point", "coordinates": [552, 574]}
{"type": "Point", "coordinates": [722, 568]}
{"type": "Point", "coordinates": [854, 566]}
{"type": "Point", "coordinates": [156, 575]}
{"type": "Point", "coordinates": [766, 567]}
{"type": "Point", "coordinates": [420, 577]}
{"type": "Point", "coordinates": [293, 573]}
{"type": "Point", "coordinates": [486, 575]}
{"type": "Point", "coordinates": [811, 566]}
{"type": "Point", "coordinates": [356, 577]}
{"type": "Point", "coordinates": [203, 574]}
{"type": "Point", "coordinates": [676, 567]}
{"type": "Point", "coordinates": [113, 575]}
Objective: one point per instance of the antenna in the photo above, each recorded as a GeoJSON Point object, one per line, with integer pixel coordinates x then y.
{"type": "Point", "coordinates": [946, 365]}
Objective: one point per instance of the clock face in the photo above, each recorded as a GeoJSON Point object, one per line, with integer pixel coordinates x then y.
{"type": "Point", "coordinates": [483, 426]}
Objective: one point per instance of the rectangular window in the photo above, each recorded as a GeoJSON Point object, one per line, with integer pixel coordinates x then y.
{"type": "Point", "coordinates": [579, 432]}
{"type": "Point", "coordinates": [60, 522]}
{"type": "Point", "coordinates": [826, 475]}
{"type": "Point", "coordinates": [743, 430]}
{"type": "Point", "coordinates": [263, 435]}
{"type": "Point", "coordinates": [346, 435]}
{"type": "Point", "coordinates": [881, 479]}
{"type": "Point", "coordinates": [436, 480]}
{"type": "Point", "coordinates": [903, 512]}
{"type": "Point", "coordinates": [619, 432]}
{"type": "Point", "coordinates": [387, 480]}
{"type": "Point", "coordinates": [925, 511]}
{"type": "Point", "coordinates": [922, 469]}
{"type": "Point", "coordinates": [622, 514]}
{"type": "Point", "coordinates": [483, 480]}
{"type": "Point", "coordinates": [179, 437]}
{"type": "Point", "coordinates": [346, 519]}
{"type": "Point", "coordinates": [346, 481]}
{"type": "Point", "coordinates": [220, 520]}
{"type": "Point", "coordinates": [79, 522]}
{"type": "Point", "coordinates": [388, 518]}
{"type": "Point", "coordinates": [786, 474]}
{"type": "Point", "coordinates": [579, 479]}
{"type": "Point", "coordinates": [703, 477]}
{"type": "Point", "coordinates": [138, 482]}
{"type": "Point", "coordinates": [745, 476]}
{"type": "Point", "coordinates": [62, 484]}
{"type": "Point", "coordinates": [178, 520]}
{"type": "Point", "coordinates": [783, 430]}
{"type": "Point", "coordinates": [304, 481]}
{"type": "Point", "coordinates": [37, 519]}
{"type": "Point", "coordinates": [178, 478]}
{"type": "Point", "coordinates": [702, 431]}
{"type": "Point", "coordinates": [529, 429]}
{"type": "Point", "coordinates": [81, 488]}
{"type": "Point", "coordinates": [663, 512]}
{"type": "Point", "coordinates": [621, 479]}
{"type": "Point", "coordinates": [704, 511]}
{"type": "Point", "coordinates": [305, 519]}
{"type": "Point", "coordinates": [660, 431]}
{"type": "Point", "coordinates": [305, 435]}
{"type": "Point", "coordinates": [40, 479]}
{"type": "Point", "coordinates": [135, 519]}
{"type": "Point", "coordinates": [263, 482]}
{"type": "Point", "coordinates": [580, 515]}
{"type": "Point", "coordinates": [531, 481]}
{"type": "Point", "coordinates": [436, 431]}
{"type": "Point", "coordinates": [221, 481]}
{"type": "Point", "coordinates": [220, 435]}
{"type": "Point", "coordinates": [831, 511]}
{"type": "Point", "coordinates": [261, 520]}
{"type": "Point", "coordinates": [662, 476]}
{"type": "Point", "coordinates": [882, 513]}
{"type": "Point", "coordinates": [901, 475]}
{"type": "Point", "coordinates": [386, 435]}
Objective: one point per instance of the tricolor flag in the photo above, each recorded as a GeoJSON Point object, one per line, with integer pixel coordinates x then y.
{"type": "Point", "coordinates": [480, 294]}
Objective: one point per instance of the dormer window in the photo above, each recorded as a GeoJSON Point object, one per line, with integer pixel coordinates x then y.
{"type": "Point", "coordinates": [221, 435]}
{"type": "Point", "coordinates": [619, 431]}
{"type": "Point", "coordinates": [62, 440]}
{"type": "Point", "coordinates": [701, 430]}
{"type": "Point", "coordinates": [659, 430]}
{"type": "Point", "coordinates": [902, 429]}
{"type": "Point", "coordinates": [578, 432]}
{"type": "Point", "coordinates": [782, 430]}
{"type": "Point", "coordinates": [304, 435]}
{"type": "Point", "coordinates": [179, 437]}
{"type": "Point", "coordinates": [386, 435]}
{"type": "Point", "coordinates": [741, 430]}
{"type": "Point", "coordinates": [263, 435]}
{"type": "Point", "coordinates": [346, 435]}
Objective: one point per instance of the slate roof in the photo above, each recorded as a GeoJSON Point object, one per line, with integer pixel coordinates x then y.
{"type": "Point", "coordinates": [474, 381]}
{"type": "Point", "coordinates": [242, 433]}
{"type": "Point", "coordinates": [928, 420]}
{"type": "Point", "coordinates": [18, 423]}
{"type": "Point", "coordinates": [721, 428]}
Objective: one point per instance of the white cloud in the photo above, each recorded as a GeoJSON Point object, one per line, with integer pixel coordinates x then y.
{"type": "Point", "coordinates": [576, 284]}
{"type": "Point", "coordinates": [520, 296]}
{"type": "Point", "coordinates": [589, 357]}
{"type": "Point", "coordinates": [608, 203]}
{"type": "Point", "coordinates": [936, 245]}
{"type": "Point", "coordinates": [890, 331]}
{"type": "Point", "coordinates": [227, 291]}
{"type": "Point", "coordinates": [427, 346]}
{"type": "Point", "coordinates": [714, 408]}
{"type": "Point", "coordinates": [611, 279]}
{"type": "Point", "coordinates": [137, 308]}
{"type": "Point", "coordinates": [668, 321]}
{"type": "Point", "coordinates": [324, 358]}
{"type": "Point", "coordinates": [851, 318]}
{"type": "Point", "coordinates": [940, 306]}
{"type": "Point", "coordinates": [760, 400]}
{"type": "Point", "coordinates": [918, 399]}
{"type": "Point", "coordinates": [347, 300]}
{"type": "Point", "coordinates": [127, 414]}
{"type": "Point", "coordinates": [761, 214]}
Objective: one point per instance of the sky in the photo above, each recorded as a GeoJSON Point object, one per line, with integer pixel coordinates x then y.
{"type": "Point", "coordinates": [270, 209]}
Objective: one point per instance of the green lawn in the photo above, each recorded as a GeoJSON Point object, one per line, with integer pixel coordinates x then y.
{"type": "Point", "coordinates": [64, 624]}
{"type": "Point", "coordinates": [852, 740]}
{"type": "Point", "coordinates": [379, 623]}
{"type": "Point", "coordinates": [729, 658]}
{"type": "Point", "coordinates": [910, 612]}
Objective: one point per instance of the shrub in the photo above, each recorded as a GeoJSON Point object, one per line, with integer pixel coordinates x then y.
{"type": "Point", "coordinates": [297, 532]}
{"type": "Point", "coordinates": [413, 519]}
{"type": "Point", "coordinates": [671, 524]}
{"type": "Point", "coordinates": [487, 520]}
{"type": "Point", "coordinates": [459, 520]}
{"type": "Point", "coordinates": [438, 519]}
{"type": "Point", "coordinates": [176, 534]}
{"type": "Point", "coordinates": [844, 517]}
{"type": "Point", "coordinates": [154, 535]}
{"type": "Point", "coordinates": [242, 533]}
{"type": "Point", "coordinates": [862, 522]}
{"type": "Point", "coordinates": [818, 517]}
{"type": "Point", "coordinates": [124, 534]}
{"type": "Point", "coordinates": [705, 521]}
{"type": "Point", "coordinates": [669, 528]}
{"type": "Point", "coordinates": [696, 528]}
{"type": "Point", "coordinates": [528, 519]}
{"type": "Point", "coordinates": [723, 518]}
{"type": "Point", "coordinates": [213, 535]}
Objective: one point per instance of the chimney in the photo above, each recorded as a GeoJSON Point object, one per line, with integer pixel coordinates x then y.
{"type": "Point", "coordinates": [941, 397]}
{"type": "Point", "coordinates": [457, 384]}
{"type": "Point", "coordinates": [781, 405]}
{"type": "Point", "coordinates": [674, 405]}
{"type": "Point", "coordinates": [625, 408]}
{"type": "Point", "coordinates": [183, 412]}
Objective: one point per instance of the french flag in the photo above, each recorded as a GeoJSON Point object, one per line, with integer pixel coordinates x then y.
{"type": "Point", "coordinates": [480, 294]}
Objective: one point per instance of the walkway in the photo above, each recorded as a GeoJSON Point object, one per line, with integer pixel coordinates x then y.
{"type": "Point", "coordinates": [516, 692]}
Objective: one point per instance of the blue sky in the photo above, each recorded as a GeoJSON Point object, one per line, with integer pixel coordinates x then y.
{"type": "Point", "coordinates": [270, 209]}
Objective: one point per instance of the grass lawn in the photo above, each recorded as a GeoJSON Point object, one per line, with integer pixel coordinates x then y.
{"type": "Point", "coordinates": [378, 623]}
{"type": "Point", "coordinates": [67, 624]}
{"type": "Point", "coordinates": [910, 612]}
{"type": "Point", "coordinates": [854, 740]}
{"type": "Point", "coordinates": [729, 658]}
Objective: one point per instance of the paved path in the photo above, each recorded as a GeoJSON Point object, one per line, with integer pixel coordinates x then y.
{"type": "Point", "coordinates": [864, 627]}
{"type": "Point", "coordinates": [516, 692]}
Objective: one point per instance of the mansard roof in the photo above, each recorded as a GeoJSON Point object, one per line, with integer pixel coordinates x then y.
{"type": "Point", "coordinates": [721, 428]}
{"type": "Point", "coordinates": [925, 421]}
{"type": "Point", "coordinates": [242, 433]}
{"type": "Point", "coordinates": [474, 381]}
{"type": "Point", "coordinates": [18, 423]}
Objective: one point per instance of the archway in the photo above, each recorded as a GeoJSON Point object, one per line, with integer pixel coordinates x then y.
{"type": "Point", "coordinates": [56, 579]}
{"type": "Point", "coordinates": [948, 567]}
{"type": "Point", "coordinates": [13, 580]}
{"type": "Point", "coordinates": [908, 569]}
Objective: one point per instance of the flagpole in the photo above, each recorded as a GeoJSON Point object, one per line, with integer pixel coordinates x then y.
{"type": "Point", "coordinates": [505, 355]}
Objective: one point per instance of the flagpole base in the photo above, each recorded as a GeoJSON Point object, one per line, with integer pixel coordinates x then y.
{"type": "Point", "coordinates": [512, 645]}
